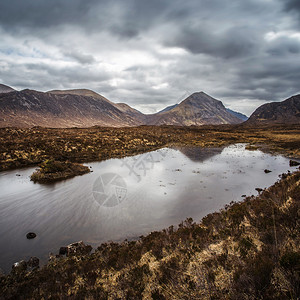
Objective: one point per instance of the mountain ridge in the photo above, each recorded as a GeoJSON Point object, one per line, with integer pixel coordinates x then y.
{"type": "Point", "coordinates": [29, 108]}
{"type": "Point", "coordinates": [6, 89]}
{"type": "Point", "coordinates": [85, 108]}
{"type": "Point", "coordinates": [285, 112]}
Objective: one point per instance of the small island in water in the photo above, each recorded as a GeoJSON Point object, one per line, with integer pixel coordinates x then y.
{"type": "Point", "coordinates": [51, 170]}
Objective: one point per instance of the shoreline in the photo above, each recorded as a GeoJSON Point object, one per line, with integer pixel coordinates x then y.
{"type": "Point", "coordinates": [241, 233]}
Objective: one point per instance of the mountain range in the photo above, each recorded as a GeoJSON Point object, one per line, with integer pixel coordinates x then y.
{"type": "Point", "coordinates": [85, 108]}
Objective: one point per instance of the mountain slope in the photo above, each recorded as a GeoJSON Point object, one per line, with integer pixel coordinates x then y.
{"type": "Point", "coordinates": [287, 112]}
{"type": "Point", "coordinates": [131, 113]}
{"type": "Point", "coordinates": [5, 89]}
{"type": "Point", "coordinates": [80, 92]}
{"type": "Point", "coordinates": [31, 108]}
{"type": "Point", "coordinates": [238, 114]}
{"type": "Point", "coordinates": [136, 115]}
{"type": "Point", "coordinates": [167, 108]}
{"type": "Point", "coordinates": [197, 109]}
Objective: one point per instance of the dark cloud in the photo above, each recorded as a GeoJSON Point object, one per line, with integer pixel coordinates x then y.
{"type": "Point", "coordinates": [42, 13]}
{"type": "Point", "coordinates": [150, 53]}
{"type": "Point", "coordinates": [234, 42]}
{"type": "Point", "coordinates": [293, 5]}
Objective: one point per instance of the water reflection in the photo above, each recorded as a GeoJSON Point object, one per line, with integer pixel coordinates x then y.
{"type": "Point", "coordinates": [126, 198]}
{"type": "Point", "coordinates": [198, 154]}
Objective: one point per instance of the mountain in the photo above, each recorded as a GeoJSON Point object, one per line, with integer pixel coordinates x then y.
{"type": "Point", "coordinates": [5, 89]}
{"type": "Point", "coordinates": [85, 108]}
{"type": "Point", "coordinates": [287, 112]}
{"type": "Point", "coordinates": [29, 108]}
{"type": "Point", "coordinates": [130, 112]}
{"type": "Point", "coordinates": [238, 114]}
{"type": "Point", "coordinates": [168, 108]}
{"type": "Point", "coordinates": [197, 109]}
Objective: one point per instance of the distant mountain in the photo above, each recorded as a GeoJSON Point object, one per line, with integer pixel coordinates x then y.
{"type": "Point", "coordinates": [137, 116]}
{"type": "Point", "coordinates": [167, 108]}
{"type": "Point", "coordinates": [85, 108]}
{"type": "Point", "coordinates": [238, 114]}
{"type": "Point", "coordinates": [5, 89]}
{"type": "Point", "coordinates": [29, 108]}
{"type": "Point", "coordinates": [197, 109]}
{"type": "Point", "coordinates": [285, 112]}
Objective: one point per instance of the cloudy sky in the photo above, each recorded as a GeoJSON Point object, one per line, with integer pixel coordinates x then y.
{"type": "Point", "coordinates": [153, 53]}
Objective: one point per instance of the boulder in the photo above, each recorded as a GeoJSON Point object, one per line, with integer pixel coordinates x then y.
{"type": "Point", "coordinates": [294, 163]}
{"type": "Point", "coordinates": [33, 262]}
{"type": "Point", "coordinates": [31, 235]}
{"type": "Point", "coordinates": [19, 267]}
{"type": "Point", "coordinates": [78, 248]}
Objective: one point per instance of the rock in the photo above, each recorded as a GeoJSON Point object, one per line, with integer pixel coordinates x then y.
{"type": "Point", "coordinates": [244, 196]}
{"type": "Point", "coordinates": [294, 163]}
{"type": "Point", "coordinates": [267, 171]}
{"type": "Point", "coordinates": [33, 262]}
{"type": "Point", "coordinates": [78, 248]}
{"type": "Point", "coordinates": [259, 190]}
{"type": "Point", "coordinates": [30, 235]}
{"type": "Point", "coordinates": [63, 250]}
{"type": "Point", "coordinates": [19, 266]}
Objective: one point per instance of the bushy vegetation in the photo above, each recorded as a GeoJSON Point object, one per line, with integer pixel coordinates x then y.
{"type": "Point", "coordinates": [248, 250]}
{"type": "Point", "coordinates": [51, 170]}
{"type": "Point", "coordinates": [31, 146]}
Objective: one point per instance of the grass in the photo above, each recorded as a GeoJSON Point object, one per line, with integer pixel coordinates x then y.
{"type": "Point", "coordinates": [26, 147]}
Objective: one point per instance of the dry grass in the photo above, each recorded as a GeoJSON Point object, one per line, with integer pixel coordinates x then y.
{"type": "Point", "coordinates": [24, 147]}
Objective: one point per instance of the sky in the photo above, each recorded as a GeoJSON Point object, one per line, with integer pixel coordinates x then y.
{"type": "Point", "coordinates": [154, 53]}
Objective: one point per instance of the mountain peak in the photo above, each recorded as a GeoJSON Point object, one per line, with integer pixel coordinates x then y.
{"type": "Point", "coordinates": [199, 98]}
{"type": "Point", "coordinates": [5, 88]}
{"type": "Point", "coordinates": [197, 109]}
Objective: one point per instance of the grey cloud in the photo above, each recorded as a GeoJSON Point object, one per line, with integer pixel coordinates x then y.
{"type": "Point", "coordinates": [82, 58]}
{"type": "Point", "coordinates": [43, 13]}
{"type": "Point", "coordinates": [235, 42]}
{"type": "Point", "coordinates": [44, 77]}
{"type": "Point", "coordinates": [284, 46]}
{"type": "Point", "coordinates": [226, 54]}
{"type": "Point", "coordinates": [292, 5]}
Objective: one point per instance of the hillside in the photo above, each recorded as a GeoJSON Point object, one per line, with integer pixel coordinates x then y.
{"type": "Point", "coordinates": [29, 108]}
{"type": "Point", "coordinates": [5, 89]}
{"type": "Point", "coordinates": [238, 114]}
{"type": "Point", "coordinates": [285, 112]}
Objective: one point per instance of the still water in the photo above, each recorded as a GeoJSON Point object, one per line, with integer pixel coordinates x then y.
{"type": "Point", "coordinates": [126, 198]}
